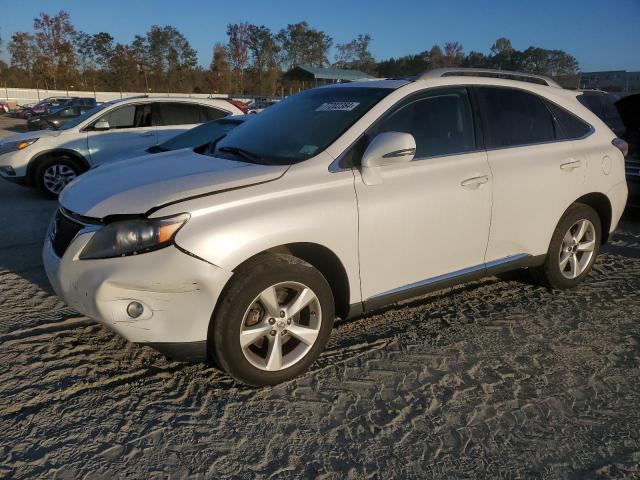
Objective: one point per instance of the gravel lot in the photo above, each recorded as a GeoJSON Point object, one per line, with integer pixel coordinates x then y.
{"type": "Point", "coordinates": [496, 378]}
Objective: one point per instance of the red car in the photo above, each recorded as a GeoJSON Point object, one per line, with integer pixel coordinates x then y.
{"type": "Point", "coordinates": [4, 107]}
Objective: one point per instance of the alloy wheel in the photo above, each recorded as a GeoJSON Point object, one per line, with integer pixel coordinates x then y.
{"type": "Point", "coordinates": [280, 326]}
{"type": "Point", "coordinates": [57, 176]}
{"type": "Point", "coordinates": [578, 247]}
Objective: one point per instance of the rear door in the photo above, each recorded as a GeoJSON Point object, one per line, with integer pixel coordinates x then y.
{"type": "Point", "coordinates": [536, 172]}
{"type": "Point", "coordinates": [172, 118]}
{"type": "Point", "coordinates": [130, 134]}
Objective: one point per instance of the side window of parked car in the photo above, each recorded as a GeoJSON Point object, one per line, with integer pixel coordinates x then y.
{"type": "Point", "coordinates": [129, 116]}
{"type": "Point", "coordinates": [441, 122]}
{"type": "Point", "coordinates": [514, 117]}
{"type": "Point", "coordinates": [211, 113]}
{"type": "Point", "coordinates": [571, 127]}
{"type": "Point", "coordinates": [174, 113]}
{"type": "Point", "coordinates": [67, 112]}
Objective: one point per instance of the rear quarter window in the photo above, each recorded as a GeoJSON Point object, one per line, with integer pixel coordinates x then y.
{"type": "Point", "coordinates": [570, 126]}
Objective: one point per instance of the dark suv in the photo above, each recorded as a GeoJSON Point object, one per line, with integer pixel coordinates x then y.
{"type": "Point", "coordinates": [622, 116]}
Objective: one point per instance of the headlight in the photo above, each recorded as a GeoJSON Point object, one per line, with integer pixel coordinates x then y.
{"type": "Point", "coordinates": [131, 237]}
{"type": "Point", "coordinates": [17, 145]}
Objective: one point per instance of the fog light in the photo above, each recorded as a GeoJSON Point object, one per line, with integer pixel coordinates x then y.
{"type": "Point", "coordinates": [135, 309]}
{"type": "Point", "coordinates": [8, 171]}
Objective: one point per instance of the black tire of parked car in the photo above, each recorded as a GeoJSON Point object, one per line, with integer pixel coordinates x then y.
{"type": "Point", "coordinates": [246, 284]}
{"type": "Point", "coordinates": [549, 273]}
{"type": "Point", "coordinates": [44, 164]}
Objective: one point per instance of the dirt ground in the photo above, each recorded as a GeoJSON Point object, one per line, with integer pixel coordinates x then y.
{"type": "Point", "coordinates": [493, 379]}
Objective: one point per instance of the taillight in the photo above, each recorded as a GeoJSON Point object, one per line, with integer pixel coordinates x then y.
{"type": "Point", "coordinates": [621, 145]}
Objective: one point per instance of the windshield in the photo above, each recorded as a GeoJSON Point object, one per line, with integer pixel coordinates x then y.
{"type": "Point", "coordinates": [300, 126]}
{"type": "Point", "coordinates": [201, 135]}
{"type": "Point", "coordinates": [77, 121]}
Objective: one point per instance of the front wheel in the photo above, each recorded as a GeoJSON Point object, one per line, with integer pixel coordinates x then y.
{"type": "Point", "coordinates": [54, 174]}
{"type": "Point", "coordinates": [573, 249]}
{"type": "Point", "coordinates": [273, 320]}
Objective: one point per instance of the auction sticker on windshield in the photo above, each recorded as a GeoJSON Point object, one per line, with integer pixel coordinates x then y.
{"type": "Point", "coordinates": [337, 106]}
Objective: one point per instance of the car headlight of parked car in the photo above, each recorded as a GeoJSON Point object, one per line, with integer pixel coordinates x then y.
{"type": "Point", "coordinates": [17, 145]}
{"type": "Point", "coordinates": [131, 237]}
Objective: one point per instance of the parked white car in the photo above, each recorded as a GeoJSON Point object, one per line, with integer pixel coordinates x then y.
{"type": "Point", "coordinates": [334, 202]}
{"type": "Point", "coordinates": [50, 159]}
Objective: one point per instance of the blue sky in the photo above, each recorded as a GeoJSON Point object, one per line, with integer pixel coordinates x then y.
{"type": "Point", "coordinates": [602, 35]}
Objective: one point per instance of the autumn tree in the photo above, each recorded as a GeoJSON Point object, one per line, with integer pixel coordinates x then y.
{"type": "Point", "coordinates": [238, 52]}
{"type": "Point", "coordinates": [264, 59]}
{"type": "Point", "coordinates": [219, 77]}
{"type": "Point", "coordinates": [54, 39]}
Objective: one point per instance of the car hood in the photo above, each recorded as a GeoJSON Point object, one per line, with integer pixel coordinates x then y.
{"type": "Point", "coordinates": [136, 185]}
{"type": "Point", "coordinates": [27, 135]}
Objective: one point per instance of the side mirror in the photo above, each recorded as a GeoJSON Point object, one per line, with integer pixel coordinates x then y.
{"type": "Point", "coordinates": [101, 125]}
{"type": "Point", "coordinates": [387, 148]}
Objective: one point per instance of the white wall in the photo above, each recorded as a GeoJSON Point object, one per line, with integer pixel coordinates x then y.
{"type": "Point", "coordinates": [22, 96]}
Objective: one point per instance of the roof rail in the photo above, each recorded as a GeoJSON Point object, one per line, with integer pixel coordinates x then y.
{"type": "Point", "coordinates": [487, 72]}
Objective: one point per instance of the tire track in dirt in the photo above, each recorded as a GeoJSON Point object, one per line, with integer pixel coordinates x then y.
{"type": "Point", "coordinates": [496, 378]}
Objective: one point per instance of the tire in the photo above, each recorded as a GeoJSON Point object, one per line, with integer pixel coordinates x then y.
{"type": "Point", "coordinates": [558, 270]}
{"type": "Point", "coordinates": [44, 177]}
{"type": "Point", "coordinates": [242, 308]}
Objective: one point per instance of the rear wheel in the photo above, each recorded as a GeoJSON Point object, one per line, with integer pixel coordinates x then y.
{"type": "Point", "coordinates": [273, 320]}
{"type": "Point", "coordinates": [53, 174]}
{"type": "Point", "coordinates": [573, 249]}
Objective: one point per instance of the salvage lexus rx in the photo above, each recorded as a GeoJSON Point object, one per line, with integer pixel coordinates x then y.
{"type": "Point", "coordinates": [332, 203]}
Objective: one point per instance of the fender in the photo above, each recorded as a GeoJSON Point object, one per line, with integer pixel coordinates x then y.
{"type": "Point", "coordinates": [32, 165]}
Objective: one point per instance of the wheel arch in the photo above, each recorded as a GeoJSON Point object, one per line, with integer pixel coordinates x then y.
{"type": "Point", "coordinates": [325, 261]}
{"type": "Point", "coordinates": [602, 205]}
{"type": "Point", "coordinates": [32, 167]}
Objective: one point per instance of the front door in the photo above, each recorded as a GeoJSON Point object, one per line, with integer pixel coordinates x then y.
{"type": "Point", "coordinates": [130, 133]}
{"type": "Point", "coordinates": [429, 218]}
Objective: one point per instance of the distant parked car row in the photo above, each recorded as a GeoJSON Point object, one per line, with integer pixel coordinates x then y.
{"type": "Point", "coordinates": [49, 159]}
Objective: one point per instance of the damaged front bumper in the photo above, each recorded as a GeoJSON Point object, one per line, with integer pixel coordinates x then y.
{"type": "Point", "coordinates": [178, 293]}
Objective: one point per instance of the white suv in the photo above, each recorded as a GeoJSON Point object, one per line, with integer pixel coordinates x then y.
{"type": "Point", "coordinates": [52, 158]}
{"type": "Point", "coordinates": [332, 203]}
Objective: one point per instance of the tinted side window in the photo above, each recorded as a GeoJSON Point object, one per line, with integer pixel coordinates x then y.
{"type": "Point", "coordinates": [441, 123]}
{"type": "Point", "coordinates": [570, 125]}
{"type": "Point", "coordinates": [122, 117]}
{"type": "Point", "coordinates": [178, 114]}
{"type": "Point", "coordinates": [130, 116]}
{"type": "Point", "coordinates": [210, 113]}
{"type": "Point", "coordinates": [513, 117]}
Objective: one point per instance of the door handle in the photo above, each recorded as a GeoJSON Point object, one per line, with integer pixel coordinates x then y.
{"type": "Point", "coordinates": [475, 182]}
{"type": "Point", "coordinates": [570, 166]}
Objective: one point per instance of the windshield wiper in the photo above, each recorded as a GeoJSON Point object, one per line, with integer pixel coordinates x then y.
{"type": "Point", "coordinates": [241, 152]}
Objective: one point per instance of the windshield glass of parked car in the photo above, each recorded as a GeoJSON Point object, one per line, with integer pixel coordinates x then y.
{"type": "Point", "coordinates": [201, 135]}
{"type": "Point", "coordinates": [78, 120]}
{"type": "Point", "coordinates": [301, 126]}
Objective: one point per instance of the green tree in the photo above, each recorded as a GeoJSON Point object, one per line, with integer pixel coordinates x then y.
{"type": "Point", "coordinates": [501, 45]}
{"type": "Point", "coordinates": [102, 46]}
{"type": "Point", "coordinates": [264, 58]}
{"type": "Point", "coordinates": [302, 45]}
{"type": "Point", "coordinates": [355, 54]}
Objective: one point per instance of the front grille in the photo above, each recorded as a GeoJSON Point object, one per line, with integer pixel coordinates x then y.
{"type": "Point", "coordinates": [63, 231]}
{"type": "Point", "coordinates": [632, 167]}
